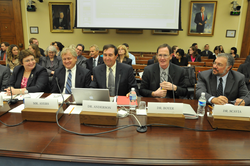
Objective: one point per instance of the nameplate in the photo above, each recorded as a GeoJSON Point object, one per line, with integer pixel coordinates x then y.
{"type": "Point", "coordinates": [231, 110]}
{"type": "Point", "coordinates": [1, 100]}
{"type": "Point", "coordinates": [165, 108]}
{"type": "Point", "coordinates": [41, 103]}
{"type": "Point", "coordinates": [97, 106]}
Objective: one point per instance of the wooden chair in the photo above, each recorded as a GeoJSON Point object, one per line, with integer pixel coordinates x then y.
{"type": "Point", "coordinates": [137, 69]}
{"type": "Point", "coordinates": [207, 60]}
{"type": "Point", "coordinates": [3, 62]}
{"type": "Point", "coordinates": [141, 62]}
{"type": "Point", "coordinates": [236, 65]}
{"type": "Point", "coordinates": [148, 55]}
{"type": "Point", "coordinates": [239, 61]}
{"type": "Point", "coordinates": [143, 58]}
{"type": "Point", "coordinates": [196, 63]}
{"type": "Point", "coordinates": [199, 69]}
{"type": "Point", "coordinates": [240, 58]}
{"type": "Point", "coordinates": [204, 57]}
{"type": "Point", "coordinates": [209, 64]}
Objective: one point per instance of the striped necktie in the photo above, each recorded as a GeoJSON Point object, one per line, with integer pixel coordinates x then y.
{"type": "Point", "coordinates": [220, 89]}
{"type": "Point", "coordinates": [69, 83]}
{"type": "Point", "coordinates": [111, 83]}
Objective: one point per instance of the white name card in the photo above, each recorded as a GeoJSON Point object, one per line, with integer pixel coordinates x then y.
{"type": "Point", "coordinates": [165, 108]}
{"type": "Point", "coordinates": [1, 100]}
{"type": "Point", "coordinates": [41, 103]}
{"type": "Point", "coordinates": [231, 110]}
{"type": "Point", "coordinates": [97, 106]}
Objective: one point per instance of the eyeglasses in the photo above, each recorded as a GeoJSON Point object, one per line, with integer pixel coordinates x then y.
{"type": "Point", "coordinates": [163, 55]}
{"type": "Point", "coordinates": [27, 61]}
{"type": "Point", "coordinates": [218, 64]}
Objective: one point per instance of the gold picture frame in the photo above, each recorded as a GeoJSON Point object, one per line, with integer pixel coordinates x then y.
{"type": "Point", "coordinates": [95, 30]}
{"type": "Point", "coordinates": [61, 16]}
{"type": "Point", "coordinates": [165, 32]}
{"type": "Point", "coordinates": [201, 23]}
{"type": "Point", "coordinates": [133, 31]}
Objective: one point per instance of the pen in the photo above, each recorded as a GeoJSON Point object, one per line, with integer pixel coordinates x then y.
{"type": "Point", "coordinates": [71, 110]}
{"type": "Point", "coordinates": [210, 106]}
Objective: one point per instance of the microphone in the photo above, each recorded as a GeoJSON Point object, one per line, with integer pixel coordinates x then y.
{"type": "Point", "coordinates": [172, 87]}
{"type": "Point", "coordinates": [12, 101]}
{"type": "Point", "coordinates": [59, 88]}
{"type": "Point", "coordinates": [118, 82]}
{"type": "Point", "coordinates": [243, 98]}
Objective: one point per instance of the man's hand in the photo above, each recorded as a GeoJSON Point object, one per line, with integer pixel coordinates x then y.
{"type": "Point", "coordinates": [168, 86]}
{"type": "Point", "coordinates": [200, 23]}
{"type": "Point", "coordinates": [221, 100]}
{"type": "Point", "coordinates": [159, 93]}
{"type": "Point", "coordinates": [238, 101]}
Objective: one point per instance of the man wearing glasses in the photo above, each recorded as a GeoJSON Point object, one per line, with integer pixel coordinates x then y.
{"type": "Point", "coordinates": [162, 78]}
{"type": "Point", "coordinates": [81, 60]}
{"type": "Point", "coordinates": [221, 84]}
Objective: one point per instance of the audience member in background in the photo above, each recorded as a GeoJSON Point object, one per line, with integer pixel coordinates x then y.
{"type": "Point", "coordinates": [196, 46]}
{"type": "Point", "coordinates": [4, 47]}
{"type": "Point", "coordinates": [215, 54]}
{"type": "Point", "coordinates": [180, 60]}
{"type": "Point", "coordinates": [245, 70]}
{"type": "Point", "coordinates": [131, 56]}
{"type": "Point", "coordinates": [95, 59]}
{"type": "Point", "coordinates": [221, 49]}
{"type": "Point", "coordinates": [206, 51]}
{"type": "Point", "coordinates": [81, 60]}
{"type": "Point", "coordinates": [12, 57]}
{"type": "Point", "coordinates": [221, 84]}
{"type": "Point", "coordinates": [72, 46]}
{"type": "Point", "coordinates": [59, 46]}
{"type": "Point", "coordinates": [35, 41]}
{"type": "Point", "coordinates": [234, 52]}
{"type": "Point", "coordinates": [107, 76]}
{"type": "Point", "coordinates": [123, 56]}
{"type": "Point", "coordinates": [174, 49]}
{"type": "Point", "coordinates": [153, 60]}
{"type": "Point", "coordinates": [28, 76]}
{"type": "Point", "coordinates": [51, 62]}
{"type": "Point", "coordinates": [161, 79]}
{"type": "Point", "coordinates": [35, 49]}
{"type": "Point", "coordinates": [193, 55]}
{"type": "Point", "coordinates": [4, 77]}
{"type": "Point", "coordinates": [70, 75]}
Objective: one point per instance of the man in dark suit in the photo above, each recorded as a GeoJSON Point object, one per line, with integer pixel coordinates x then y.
{"type": "Point", "coordinates": [221, 84]}
{"type": "Point", "coordinates": [206, 51]}
{"type": "Point", "coordinates": [200, 20]}
{"type": "Point", "coordinates": [4, 77]}
{"type": "Point", "coordinates": [35, 41]}
{"type": "Point", "coordinates": [245, 70]}
{"type": "Point", "coordinates": [4, 47]}
{"type": "Point", "coordinates": [70, 75]}
{"type": "Point", "coordinates": [162, 78]}
{"type": "Point", "coordinates": [81, 60]}
{"type": "Point", "coordinates": [95, 59]}
{"type": "Point", "coordinates": [60, 22]}
{"type": "Point", "coordinates": [109, 74]}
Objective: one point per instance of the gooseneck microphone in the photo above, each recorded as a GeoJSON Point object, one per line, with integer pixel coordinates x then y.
{"type": "Point", "coordinates": [12, 101]}
{"type": "Point", "coordinates": [118, 83]}
{"type": "Point", "coordinates": [172, 87]}
{"type": "Point", "coordinates": [59, 88]}
{"type": "Point", "coordinates": [243, 98]}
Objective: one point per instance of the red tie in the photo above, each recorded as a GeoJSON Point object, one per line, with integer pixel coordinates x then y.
{"type": "Point", "coordinates": [4, 56]}
{"type": "Point", "coordinates": [202, 17]}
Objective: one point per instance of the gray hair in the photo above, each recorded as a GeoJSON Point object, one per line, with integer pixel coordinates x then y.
{"type": "Point", "coordinates": [230, 58]}
{"type": "Point", "coordinates": [96, 47]}
{"type": "Point", "coordinates": [50, 48]}
{"type": "Point", "coordinates": [70, 50]}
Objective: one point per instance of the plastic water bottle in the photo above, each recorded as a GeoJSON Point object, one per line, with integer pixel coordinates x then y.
{"type": "Point", "coordinates": [26, 95]}
{"type": "Point", "coordinates": [201, 105]}
{"type": "Point", "coordinates": [132, 98]}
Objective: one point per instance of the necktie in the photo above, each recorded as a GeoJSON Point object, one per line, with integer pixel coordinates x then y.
{"type": "Point", "coordinates": [163, 76]}
{"type": "Point", "coordinates": [202, 16]}
{"type": "Point", "coordinates": [68, 83]}
{"type": "Point", "coordinates": [111, 83]}
{"type": "Point", "coordinates": [94, 63]}
{"type": "Point", "coordinates": [220, 89]}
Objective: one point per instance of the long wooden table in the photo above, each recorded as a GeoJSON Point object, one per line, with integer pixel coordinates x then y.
{"type": "Point", "coordinates": [158, 146]}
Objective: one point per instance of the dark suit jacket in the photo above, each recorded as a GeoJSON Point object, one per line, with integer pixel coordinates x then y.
{"type": "Point", "coordinates": [198, 19]}
{"type": "Point", "coordinates": [82, 78]}
{"type": "Point", "coordinates": [4, 77]}
{"type": "Point", "coordinates": [127, 78]}
{"type": "Point", "coordinates": [235, 86]}
{"type": "Point", "coordinates": [204, 53]}
{"type": "Point", "coordinates": [81, 61]}
{"type": "Point", "coordinates": [183, 62]}
{"type": "Point", "coordinates": [151, 80]}
{"type": "Point", "coordinates": [127, 61]}
{"type": "Point", "coordinates": [63, 24]}
{"type": "Point", "coordinates": [37, 82]}
{"type": "Point", "coordinates": [89, 63]}
{"type": "Point", "coordinates": [197, 59]}
{"type": "Point", "coordinates": [57, 63]}
{"type": "Point", "coordinates": [41, 51]}
{"type": "Point", "coordinates": [245, 69]}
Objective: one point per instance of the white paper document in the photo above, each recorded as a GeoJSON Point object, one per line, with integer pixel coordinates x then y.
{"type": "Point", "coordinates": [17, 109]}
{"type": "Point", "coordinates": [74, 109]}
{"type": "Point", "coordinates": [58, 96]}
{"type": "Point", "coordinates": [20, 97]}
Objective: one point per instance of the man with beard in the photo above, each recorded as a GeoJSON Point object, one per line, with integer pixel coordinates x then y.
{"type": "Point", "coordinates": [221, 84]}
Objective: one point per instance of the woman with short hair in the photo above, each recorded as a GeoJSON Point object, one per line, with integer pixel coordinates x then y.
{"type": "Point", "coordinates": [179, 59]}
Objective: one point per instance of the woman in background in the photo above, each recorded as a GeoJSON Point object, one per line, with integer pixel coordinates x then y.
{"type": "Point", "coordinates": [234, 52]}
{"type": "Point", "coordinates": [180, 60]}
{"type": "Point", "coordinates": [12, 57]}
{"type": "Point", "coordinates": [215, 54]}
{"type": "Point", "coordinates": [193, 55]}
{"type": "Point", "coordinates": [221, 49]}
{"type": "Point", "coordinates": [36, 51]}
{"type": "Point", "coordinates": [174, 49]}
{"type": "Point", "coordinates": [59, 46]}
{"type": "Point", "coordinates": [123, 56]}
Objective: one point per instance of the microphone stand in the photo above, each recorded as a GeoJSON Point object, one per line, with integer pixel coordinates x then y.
{"type": "Point", "coordinates": [12, 101]}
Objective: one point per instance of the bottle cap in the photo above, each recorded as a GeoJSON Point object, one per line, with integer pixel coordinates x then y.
{"type": "Point", "coordinates": [203, 93]}
{"type": "Point", "coordinates": [26, 92]}
{"type": "Point", "coordinates": [133, 89]}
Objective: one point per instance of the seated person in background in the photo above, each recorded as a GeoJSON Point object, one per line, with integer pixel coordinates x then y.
{"type": "Point", "coordinates": [4, 77]}
{"type": "Point", "coordinates": [131, 56]}
{"type": "Point", "coordinates": [95, 58]}
{"type": "Point", "coordinates": [70, 75]}
{"type": "Point", "coordinates": [3, 50]}
{"type": "Point", "coordinates": [59, 46]}
{"type": "Point", "coordinates": [109, 74]}
{"type": "Point", "coordinates": [179, 59]}
{"type": "Point", "coordinates": [234, 52]}
{"type": "Point", "coordinates": [221, 84]}
{"type": "Point", "coordinates": [196, 46]}
{"type": "Point", "coordinates": [174, 49]}
{"type": "Point", "coordinates": [193, 55]}
{"type": "Point", "coordinates": [215, 54]}
{"type": "Point", "coordinates": [156, 80]}
{"type": "Point", "coordinates": [35, 41]}
{"type": "Point", "coordinates": [36, 51]}
{"type": "Point", "coordinates": [51, 62]}
{"type": "Point", "coordinates": [81, 60]}
{"type": "Point", "coordinates": [206, 51]}
{"type": "Point", "coordinates": [28, 76]}
{"type": "Point", "coordinates": [245, 70]}
{"type": "Point", "coordinates": [12, 57]}
{"type": "Point", "coordinates": [153, 60]}
{"type": "Point", "coordinates": [221, 49]}
{"type": "Point", "coordinates": [123, 56]}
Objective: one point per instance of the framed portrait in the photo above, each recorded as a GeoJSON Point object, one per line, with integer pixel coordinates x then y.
{"type": "Point", "coordinates": [202, 18]}
{"type": "Point", "coordinates": [95, 30]}
{"type": "Point", "coordinates": [61, 16]}
{"type": "Point", "coordinates": [134, 31]}
{"type": "Point", "coordinates": [165, 32]}
{"type": "Point", "coordinates": [230, 33]}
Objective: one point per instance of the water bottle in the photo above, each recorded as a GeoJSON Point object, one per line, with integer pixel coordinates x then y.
{"type": "Point", "coordinates": [26, 95]}
{"type": "Point", "coordinates": [132, 99]}
{"type": "Point", "coordinates": [201, 105]}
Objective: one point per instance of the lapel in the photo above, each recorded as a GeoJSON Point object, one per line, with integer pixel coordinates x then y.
{"type": "Point", "coordinates": [61, 77]}
{"type": "Point", "coordinates": [213, 84]}
{"type": "Point", "coordinates": [91, 62]}
{"type": "Point", "coordinates": [229, 84]}
{"type": "Point", "coordinates": [156, 75]}
{"type": "Point", "coordinates": [78, 77]}
{"type": "Point", "coordinates": [100, 60]}
{"type": "Point", "coordinates": [79, 59]}
{"type": "Point", "coordinates": [31, 77]}
{"type": "Point", "coordinates": [171, 73]}
{"type": "Point", "coordinates": [102, 76]}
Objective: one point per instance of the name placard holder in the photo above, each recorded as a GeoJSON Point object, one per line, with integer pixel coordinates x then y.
{"type": "Point", "coordinates": [230, 117]}
{"type": "Point", "coordinates": [4, 108]}
{"type": "Point", "coordinates": [165, 113]}
{"type": "Point", "coordinates": [41, 110]}
{"type": "Point", "coordinates": [99, 113]}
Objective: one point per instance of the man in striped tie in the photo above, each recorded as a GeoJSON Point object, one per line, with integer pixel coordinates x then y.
{"type": "Point", "coordinates": [70, 75]}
